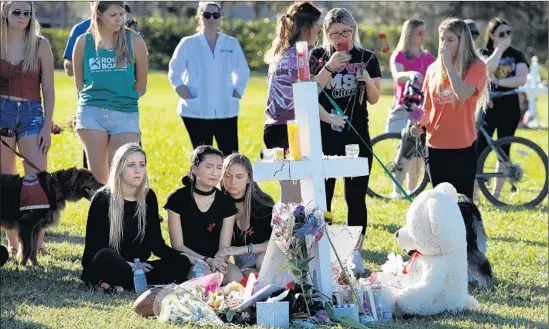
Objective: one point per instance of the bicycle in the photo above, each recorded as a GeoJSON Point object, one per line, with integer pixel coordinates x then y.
{"type": "Point", "coordinates": [500, 169]}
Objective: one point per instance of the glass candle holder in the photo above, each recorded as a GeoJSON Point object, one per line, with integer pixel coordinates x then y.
{"type": "Point", "coordinates": [293, 140]}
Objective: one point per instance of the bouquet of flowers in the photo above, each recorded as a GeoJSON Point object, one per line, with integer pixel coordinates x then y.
{"type": "Point", "coordinates": [186, 306]}
{"type": "Point", "coordinates": [297, 228]}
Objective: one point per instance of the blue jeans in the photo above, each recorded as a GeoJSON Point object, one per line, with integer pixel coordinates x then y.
{"type": "Point", "coordinates": [24, 118]}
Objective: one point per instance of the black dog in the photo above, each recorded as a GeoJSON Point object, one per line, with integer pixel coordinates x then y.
{"type": "Point", "coordinates": [60, 186]}
{"type": "Point", "coordinates": [479, 268]}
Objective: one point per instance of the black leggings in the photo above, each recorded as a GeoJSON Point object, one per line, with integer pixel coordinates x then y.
{"type": "Point", "coordinates": [203, 131]}
{"type": "Point", "coordinates": [333, 143]}
{"type": "Point", "coordinates": [503, 117]}
{"type": "Point", "coordinates": [4, 255]}
{"type": "Point", "coordinates": [108, 266]}
{"type": "Point", "coordinates": [455, 166]}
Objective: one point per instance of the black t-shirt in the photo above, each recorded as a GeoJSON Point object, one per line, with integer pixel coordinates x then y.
{"type": "Point", "coordinates": [98, 228]}
{"type": "Point", "coordinates": [201, 230]}
{"type": "Point", "coordinates": [507, 66]}
{"type": "Point", "coordinates": [343, 89]}
{"type": "Point", "coordinates": [260, 226]}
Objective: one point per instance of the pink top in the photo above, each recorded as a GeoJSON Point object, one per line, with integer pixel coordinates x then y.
{"type": "Point", "coordinates": [418, 64]}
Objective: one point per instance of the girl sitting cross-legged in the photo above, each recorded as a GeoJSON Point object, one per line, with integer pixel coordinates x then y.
{"type": "Point", "coordinates": [252, 229]}
{"type": "Point", "coordinates": [123, 224]}
{"type": "Point", "coordinates": [201, 217]}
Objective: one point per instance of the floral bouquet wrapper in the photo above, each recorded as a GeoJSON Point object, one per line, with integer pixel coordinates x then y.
{"type": "Point", "coordinates": [187, 307]}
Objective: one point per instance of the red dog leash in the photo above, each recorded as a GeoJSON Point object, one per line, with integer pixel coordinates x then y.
{"type": "Point", "coordinates": [30, 163]}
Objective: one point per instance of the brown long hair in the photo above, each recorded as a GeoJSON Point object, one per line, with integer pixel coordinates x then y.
{"type": "Point", "coordinates": [406, 36]}
{"type": "Point", "coordinates": [121, 49]}
{"type": "Point", "coordinates": [291, 25]}
{"type": "Point", "coordinates": [253, 191]}
{"type": "Point", "coordinates": [32, 36]}
{"type": "Point", "coordinates": [492, 26]}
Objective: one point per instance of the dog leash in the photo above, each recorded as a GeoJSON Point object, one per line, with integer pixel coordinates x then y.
{"type": "Point", "coordinates": [30, 163]}
{"type": "Point", "coordinates": [340, 112]}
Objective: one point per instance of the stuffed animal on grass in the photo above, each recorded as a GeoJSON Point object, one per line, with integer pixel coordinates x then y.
{"type": "Point", "coordinates": [434, 280]}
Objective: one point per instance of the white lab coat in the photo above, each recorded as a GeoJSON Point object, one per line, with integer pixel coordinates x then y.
{"type": "Point", "coordinates": [210, 77]}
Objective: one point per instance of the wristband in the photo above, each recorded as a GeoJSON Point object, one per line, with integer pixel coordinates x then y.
{"type": "Point", "coordinates": [328, 68]}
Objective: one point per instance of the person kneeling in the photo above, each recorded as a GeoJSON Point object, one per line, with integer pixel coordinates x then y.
{"type": "Point", "coordinates": [124, 224]}
{"type": "Point", "coordinates": [253, 220]}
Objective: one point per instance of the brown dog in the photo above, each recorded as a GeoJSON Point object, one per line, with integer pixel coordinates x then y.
{"type": "Point", "coordinates": [58, 187]}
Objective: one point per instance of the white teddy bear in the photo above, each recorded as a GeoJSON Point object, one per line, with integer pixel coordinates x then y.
{"type": "Point", "coordinates": [435, 278]}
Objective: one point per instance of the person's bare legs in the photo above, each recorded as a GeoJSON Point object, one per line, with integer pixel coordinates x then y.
{"type": "Point", "coordinates": [28, 146]}
{"type": "Point", "coordinates": [399, 177]}
{"type": "Point", "coordinates": [500, 181]}
{"type": "Point", "coordinates": [8, 167]}
{"type": "Point", "coordinates": [96, 144]}
{"type": "Point", "coordinates": [117, 140]}
{"type": "Point", "coordinates": [415, 168]}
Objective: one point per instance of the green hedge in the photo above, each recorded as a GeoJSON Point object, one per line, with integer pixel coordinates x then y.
{"type": "Point", "coordinates": [163, 35]}
{"type": "Point", "coordinates": [58, 39]}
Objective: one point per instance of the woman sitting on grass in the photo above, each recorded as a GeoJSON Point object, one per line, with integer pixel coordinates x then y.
{"type": "Point", "coordinates": [252, 229]}
{"type": "Point", "coordinates": [123, 224]}
{"type": "Point", "coordinates": [201, 217]}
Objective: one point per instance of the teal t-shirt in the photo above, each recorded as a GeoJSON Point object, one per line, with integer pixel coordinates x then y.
{"type": "Point", "coordinates": [105, 84]}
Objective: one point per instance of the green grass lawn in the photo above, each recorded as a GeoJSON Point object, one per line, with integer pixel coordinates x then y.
{"type": "Point", "coordinates": [52, 296]}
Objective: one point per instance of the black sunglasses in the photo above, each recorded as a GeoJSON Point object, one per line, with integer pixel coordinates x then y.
{"type": "Point", "coordinates": [502, 34]}
{"type": "Point", "coordinates": [207, 15]}
{"type": "Point", "coordinates": [18, 12]}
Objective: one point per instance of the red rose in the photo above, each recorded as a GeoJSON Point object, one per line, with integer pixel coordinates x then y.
{"type": "Point", "coordinates": [290, 285]}
{"type": "Point", "coordinates": [385, 49]}
{"type": "Point", "coordinates": [382, 36]}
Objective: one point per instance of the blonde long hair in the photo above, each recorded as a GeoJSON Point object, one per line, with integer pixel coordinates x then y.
{"type": "Point", "coordinates": [343, 16]}
{"type": "Point", "coordinates": [467, 54]}
{"type": "Point", "coordinates": [32, 36]}
{"type": "Point", "coordinates": [116, 204]}
{"type": "Point", "coordinates": [121, 49]}
{"type": "Point", "coordinates": [253, 191]}
{"type": "Point", "coordinates": [292, 24]}
{"type": "Point", "coordinates": [405, 43]}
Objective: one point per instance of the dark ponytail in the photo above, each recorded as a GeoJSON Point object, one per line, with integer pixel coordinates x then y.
{"type": "Point", "coordinates": [197, 157]}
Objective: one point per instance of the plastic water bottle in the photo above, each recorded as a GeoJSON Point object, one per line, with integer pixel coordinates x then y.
{"type": "Point", "coordinates": [198, 270]}
{"type": "Point", "coordinates": [139, 279]}
{"type": "Point", "coordinates": [333, 114]}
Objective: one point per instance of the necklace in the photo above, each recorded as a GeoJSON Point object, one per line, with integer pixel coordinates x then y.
{"type": "Point", "coordinates": [204, 193]}
{"type": "Point", "coordinates": [239, 200]}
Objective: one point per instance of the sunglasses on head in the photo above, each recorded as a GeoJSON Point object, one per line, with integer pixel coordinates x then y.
{"type": "Point", "coordinates": [502, 34]}
{"type": "Point", "coordinates": [207, 15]}
{"type": "Point", "coordinates": [19, 12]}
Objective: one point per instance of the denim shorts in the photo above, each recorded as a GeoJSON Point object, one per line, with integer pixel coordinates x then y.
{"type": "Point", "coordinates": [112, 122]}
{"type": "Point", "coordinates": [24, 118]}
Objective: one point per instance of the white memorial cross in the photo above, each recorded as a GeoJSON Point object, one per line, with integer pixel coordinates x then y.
{"type": "Point", "coordinates": [312, 172]}
{"type": "Point", "coordinates": [533, 88]}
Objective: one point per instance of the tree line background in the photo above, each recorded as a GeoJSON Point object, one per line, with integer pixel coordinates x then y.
{"type": "Point", "coordinates": [164, 23]}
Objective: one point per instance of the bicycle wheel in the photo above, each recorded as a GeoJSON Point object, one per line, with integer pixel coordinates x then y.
{"type": "Point", "coordinates": [520, 180]}
{"type": "Point", "coordinates": [411, 172]}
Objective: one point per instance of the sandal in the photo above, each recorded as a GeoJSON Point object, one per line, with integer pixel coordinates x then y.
{"type": "Point", "coordinates": [13, 251]}
{"type": "Point", "coordinates": [109, 290]}
{"type": "Point", "coordinates": [42, 251]}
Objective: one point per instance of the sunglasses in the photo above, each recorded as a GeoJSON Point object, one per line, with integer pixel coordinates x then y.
{"type": "Point", "coordinates": [131, 23]}
{"type": "Point", "coordinates": [19, 12]}
{"type": "Point", "coordinates": [207, 15]}
{"type": "Point", "coordinates": [502, 34]}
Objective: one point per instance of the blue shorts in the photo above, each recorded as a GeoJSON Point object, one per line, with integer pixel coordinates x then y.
{"type": "Point", "coordinates": [112, 122]}
{"type": "Point", "coordinates": [24, 118]}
